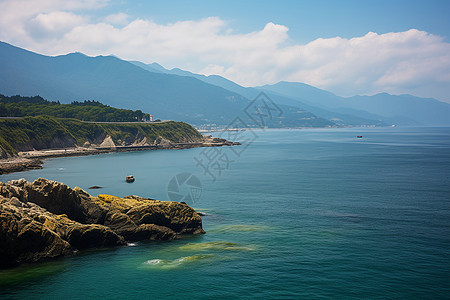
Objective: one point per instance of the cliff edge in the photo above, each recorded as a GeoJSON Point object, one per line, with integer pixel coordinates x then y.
{"type": "Point", "coordinates": [24, 141]}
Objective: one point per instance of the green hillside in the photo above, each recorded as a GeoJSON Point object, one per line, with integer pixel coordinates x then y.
{"type": "Point", "coordinates": [44, 132]}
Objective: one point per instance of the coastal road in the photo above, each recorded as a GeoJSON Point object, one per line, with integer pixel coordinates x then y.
{"type": "Point", "coordinates": [153, 122]}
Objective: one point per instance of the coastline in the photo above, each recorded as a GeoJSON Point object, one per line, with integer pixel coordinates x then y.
{"type": "Point", "coordinates": [31, 160]}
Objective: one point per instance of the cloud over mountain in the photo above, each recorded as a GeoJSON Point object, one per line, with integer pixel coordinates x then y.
{"type": "Point", "coordinates": [411, 61]}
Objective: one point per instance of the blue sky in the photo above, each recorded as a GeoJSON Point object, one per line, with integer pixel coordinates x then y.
{"type": "Point", "coordinates": [307, 20]}
{"type": "Point", "coordinates": [346, 47]}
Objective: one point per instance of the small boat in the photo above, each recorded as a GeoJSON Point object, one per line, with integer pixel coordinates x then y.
{"type": "Point", "coordinates": [359, 136]}
{"type": "Point", "coordinates": [130, 178]}
{"type": "Point", "coordinates": [95, 187]}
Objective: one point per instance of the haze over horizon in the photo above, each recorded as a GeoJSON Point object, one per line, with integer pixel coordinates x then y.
{"type": "Point", "coordinates": [347, 48]}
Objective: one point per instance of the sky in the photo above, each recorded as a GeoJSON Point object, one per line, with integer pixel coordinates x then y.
{"type": "Point", "coordinates": [347, 47]}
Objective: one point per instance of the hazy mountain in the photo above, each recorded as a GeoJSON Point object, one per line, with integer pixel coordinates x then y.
{"type": "Point", "coordinates": [305, 93]}
{"type": "Point", "coordinates": [181, 95]}
{"type": "Point", "coordinates": [115, 82]}
{"type": "Point", "coordinates": [353, 118]}
{"type": "Point", "coordinates": [338, 118]}
{"type": "Point", "coordinates": [154, 67]}
{"type": "Point", "coordinates": [77, 77]}
{"type": "Point", "coordinates": [249, 93]}
{"type": "Point", "coordinates": [425, 111]}
{"type": "Point", "coordinates": [401, 109]}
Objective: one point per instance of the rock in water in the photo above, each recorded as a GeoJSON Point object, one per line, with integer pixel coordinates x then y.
{"type": "Point", "coordinates": [47, 219]}
{"type": "Point", "coordinates": [23, 238]}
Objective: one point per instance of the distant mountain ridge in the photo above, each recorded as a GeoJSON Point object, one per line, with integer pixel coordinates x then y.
{"type": "Point", "coordinates": [115, 82]}
{"type": "Point", "coordinates": [198, 99]}
{"type": "Point", "coordinates": [379, 109]}
{"type": "Point", "coordinates": [112, 81]}
{"type": "Point", "coordinates": [395, 109]}
{"type": "Point", "coordinates": [250, 93]}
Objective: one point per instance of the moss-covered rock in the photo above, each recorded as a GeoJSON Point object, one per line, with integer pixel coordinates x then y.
{"type": "Point", "coordinates": [47, 219]}
{"type": "Point", "coordinates": [177, 216]}
{"type": "Point", "coordinates": [25, 239]}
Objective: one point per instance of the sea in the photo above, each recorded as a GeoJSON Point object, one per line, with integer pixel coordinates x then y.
{"type": "Point", "coordinates": [289, 214]}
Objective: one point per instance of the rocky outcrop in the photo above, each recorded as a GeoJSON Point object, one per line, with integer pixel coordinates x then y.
{"type": "Point", "coordinates": [107, 142]}
{"type": "Point", "coordinates": [210, 141]}
{"type": "Point", "coordinates": [47, 219]}
{"type": "Point", "coordinates": [142, 141]}
{"type": "Point", "coordinates": [30, 233]}
{"type": "Point", "coordinates": [162, 142]}
{"type": "Point", "coordinates": [11, 165]}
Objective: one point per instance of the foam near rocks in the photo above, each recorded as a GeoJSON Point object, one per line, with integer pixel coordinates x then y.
{"type": "Point", "coordinates": [168, 264]}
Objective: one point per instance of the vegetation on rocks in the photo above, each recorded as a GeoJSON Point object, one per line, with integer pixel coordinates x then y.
{"type": "Point", "coordinates": [47, 219]}
{"type": "Point", "coordinates": [44, 132]}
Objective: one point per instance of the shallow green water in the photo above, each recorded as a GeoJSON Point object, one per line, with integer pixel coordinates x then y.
{"type": "Point", "coordinates": [299, 213]}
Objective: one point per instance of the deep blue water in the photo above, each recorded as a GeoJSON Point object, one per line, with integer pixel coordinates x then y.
{"type": "Point", "coordinates": [299, 213]}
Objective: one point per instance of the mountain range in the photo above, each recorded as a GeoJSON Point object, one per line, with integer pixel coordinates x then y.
{"type": "Point", "coordinates": [198, 99]}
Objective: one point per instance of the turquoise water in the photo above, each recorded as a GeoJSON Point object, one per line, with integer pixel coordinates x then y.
{"type": "Point", "coordinates": [299, 213]}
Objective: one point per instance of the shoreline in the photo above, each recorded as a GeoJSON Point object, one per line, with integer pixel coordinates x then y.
{"type": "Point", "coordinates": [31, 160]}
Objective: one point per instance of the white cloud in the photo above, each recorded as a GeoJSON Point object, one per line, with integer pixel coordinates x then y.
{"type": "Point", "coordinates": [17, 14]}
{"type": "Point", "coordinates": [117, 19]}
{"type": "Point", "coordinates": [413, 61]}
{"type": "Point", "coordinates": [53, 24]}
